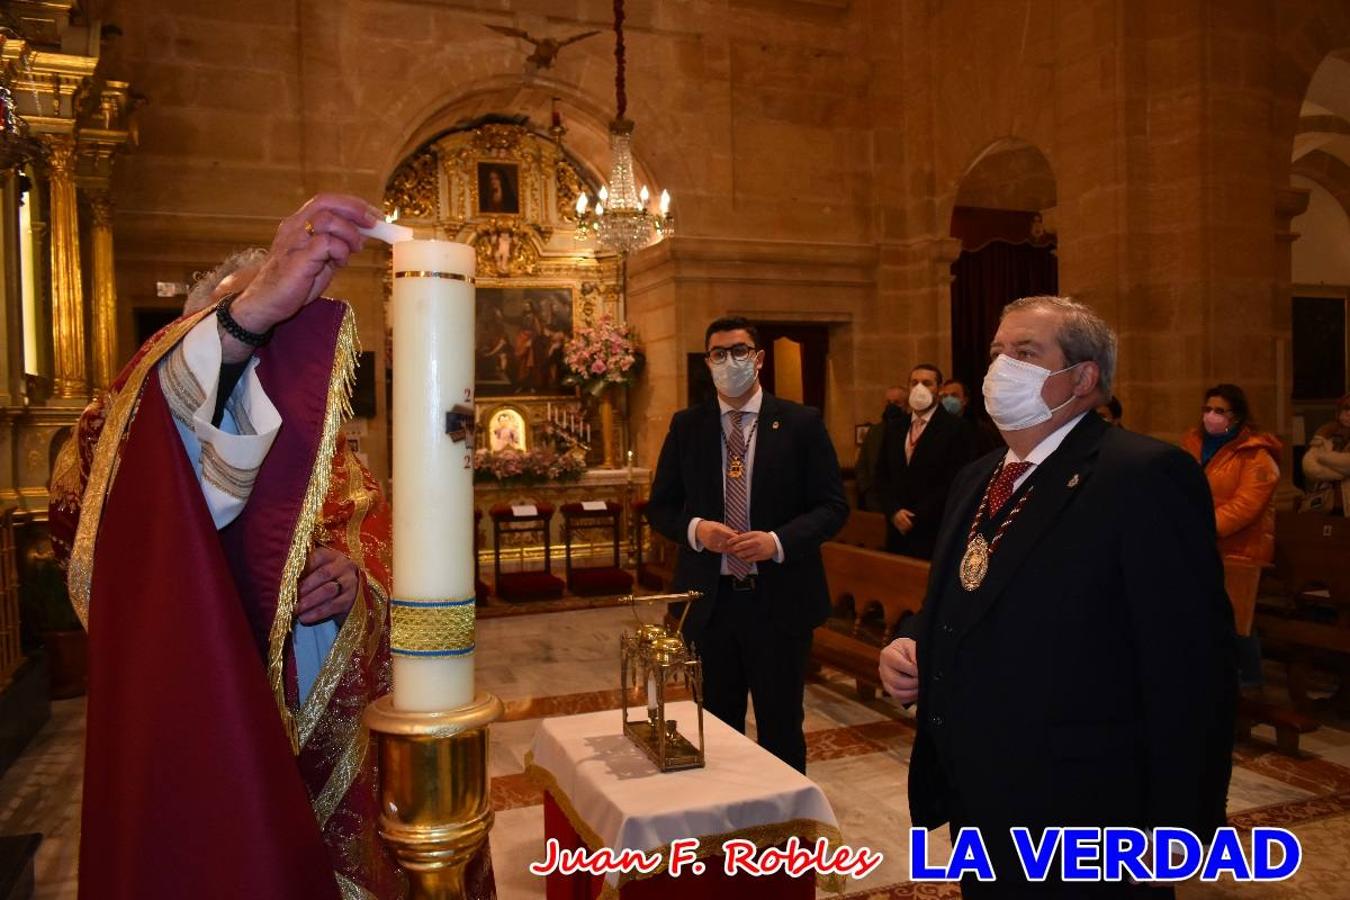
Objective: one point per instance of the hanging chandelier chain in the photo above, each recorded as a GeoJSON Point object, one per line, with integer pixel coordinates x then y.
{"type": "Point", "coordinates": [620, 94]}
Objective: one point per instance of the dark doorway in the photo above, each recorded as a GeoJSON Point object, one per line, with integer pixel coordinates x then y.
{"type": "Point", "coordinates": [809, 348]}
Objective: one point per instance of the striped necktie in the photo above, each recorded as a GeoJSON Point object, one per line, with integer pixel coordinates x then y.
{"type": "Point", "coordinates": [737, 501]}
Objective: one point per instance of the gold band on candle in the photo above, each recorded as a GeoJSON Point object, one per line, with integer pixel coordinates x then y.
{"type": "Point", "coordinates": [454, 276]}
{"type": "Point", "coordinates": [431, 628]}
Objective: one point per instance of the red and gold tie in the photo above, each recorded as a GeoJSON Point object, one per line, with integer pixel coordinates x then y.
{"type": "Point", "coordinates": [1002, 489]}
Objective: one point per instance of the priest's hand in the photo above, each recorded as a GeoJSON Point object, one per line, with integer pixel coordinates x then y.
{"type": "Point", "coordinates": [309, 247]}
{"type": "Point", "coordinates": [327, 587]}
{"type": "Point", "coordinates": [753, 546]}
{"type": "Point", "coordinates": [903, 521]}
{"type": "Point", "coordinates": [900, 670]}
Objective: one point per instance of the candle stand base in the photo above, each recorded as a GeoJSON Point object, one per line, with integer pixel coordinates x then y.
{"type": "Point", "coordinates": [435, 804]}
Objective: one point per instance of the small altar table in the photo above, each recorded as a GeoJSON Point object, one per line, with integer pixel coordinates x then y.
{"type": "Point", "coordinates": [602, 791]}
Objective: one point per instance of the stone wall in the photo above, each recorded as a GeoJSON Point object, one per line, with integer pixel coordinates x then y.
{"type": "Point", "coordinates": [815, 149]}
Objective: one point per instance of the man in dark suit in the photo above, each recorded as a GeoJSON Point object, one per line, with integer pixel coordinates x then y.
{"type": "Point", "coordinates": [1073, 662]}
{"type": "Point", "coordinates": [920, 455]}
{"type": "Point", "coordinates": [749, 488]}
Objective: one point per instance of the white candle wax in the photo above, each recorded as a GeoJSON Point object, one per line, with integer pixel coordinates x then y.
{"type": "Point", "coordinates": [388, 232]}
{"type": "Point", "coordinates": [433, 330]}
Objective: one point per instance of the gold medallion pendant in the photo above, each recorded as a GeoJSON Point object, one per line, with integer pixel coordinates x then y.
{"type": "Point", "coordinates": [975, 563]}
{"type": "Point", "coordinates": [736, 468]}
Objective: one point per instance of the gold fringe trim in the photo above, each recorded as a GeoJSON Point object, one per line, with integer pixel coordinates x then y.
{"type": "Point", "coordinates": [311, 511]}
{"type": "Point", "coordinates": [808, 831]}
{"type": "Point", "coordinates": [119, 412]}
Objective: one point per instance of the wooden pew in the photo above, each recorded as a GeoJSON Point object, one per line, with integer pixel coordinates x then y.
{"type": "Point", "coordinates": [861, 581]}
{"type": "Point", "coordinates": [1310, 624]}
{"type": "Point", "coordinates": [863, 529]}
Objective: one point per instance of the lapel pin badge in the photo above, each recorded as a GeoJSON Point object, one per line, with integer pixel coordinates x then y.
{"type": "Point", "coordinates": [1073, 482]}
{"type": "Point", "coordinates": [775, 424]}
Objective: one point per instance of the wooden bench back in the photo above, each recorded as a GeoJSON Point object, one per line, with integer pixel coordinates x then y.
{"type": "Point", "coordinates": [871, 578]}
{"type": "Point", "coordinates": [1313, 550]}
{"type": "Point", "coordinates": [863, 529]}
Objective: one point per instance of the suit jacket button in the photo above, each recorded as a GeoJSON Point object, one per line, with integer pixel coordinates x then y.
{"type": "Point", "coordinates": [936, 721]}
{"type": "Point", "coordinates": [937, 676]}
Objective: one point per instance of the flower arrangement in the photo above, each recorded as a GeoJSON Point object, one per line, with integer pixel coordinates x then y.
{"type": "Point", "coordinates": [602, 353]}
{"type": "Point", "coordinates": [529, 467]}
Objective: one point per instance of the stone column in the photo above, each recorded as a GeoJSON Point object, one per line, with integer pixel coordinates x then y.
{"type": "Point", "coordinates": [70, 376]}
{"type": "Point", "coordinates": [105, 290]}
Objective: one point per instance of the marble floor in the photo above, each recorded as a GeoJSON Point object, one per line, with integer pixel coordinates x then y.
{"type": "Point", "coordinates": [558, 663]}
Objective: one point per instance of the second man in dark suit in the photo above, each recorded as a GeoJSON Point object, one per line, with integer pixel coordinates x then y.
{"type": "Point", "coordinates": [920, 455]}
{"type": "Point", "coordinates": [749, 488]}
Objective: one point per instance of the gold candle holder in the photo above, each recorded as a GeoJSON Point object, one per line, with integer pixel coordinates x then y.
{"type": "Point", "coordinates": [435, 802]}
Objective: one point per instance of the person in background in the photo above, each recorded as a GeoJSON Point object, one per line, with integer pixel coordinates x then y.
{"type": "Point", "coordinates": [1241, 463]}
{"type": "Point", "coordinates": [1326, 465]}
{"type": "Point", "coordinates": [1111, 411]}
{"type": "Point", "coordinates": [865, 469]}
{"type": "Point", "coordinates": [920, 455]}
{"type": "Point", "coordinates": [956, 398]}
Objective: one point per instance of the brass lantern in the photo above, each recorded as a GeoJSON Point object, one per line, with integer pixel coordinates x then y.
{"type": "Point", "coordinates": [653, 661]}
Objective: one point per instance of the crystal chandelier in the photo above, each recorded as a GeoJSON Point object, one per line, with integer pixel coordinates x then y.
{"type": "Point", "coordinates": [621, 219]}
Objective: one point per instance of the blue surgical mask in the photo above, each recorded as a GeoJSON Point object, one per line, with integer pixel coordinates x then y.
{"type": "Point", "coordinates": [734, 378]}
{"type": "Point", "coordinates": [952, 404]}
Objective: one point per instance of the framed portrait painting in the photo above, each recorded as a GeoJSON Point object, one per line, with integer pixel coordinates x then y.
{"type": "Point", "coordinates": [519, 345]}
{"type": "Point", "coordinates": [499, 188]}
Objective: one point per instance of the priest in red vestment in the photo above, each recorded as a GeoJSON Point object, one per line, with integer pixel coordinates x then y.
{"type": "Point", "coordinates": [230, 559]}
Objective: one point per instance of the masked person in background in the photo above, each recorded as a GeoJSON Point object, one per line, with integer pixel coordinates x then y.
{"type": "Point", "coordinates": [869, 453]}
{"type": "Point", "coordinates": [749, 488]}
{"type": "Point", "coordinates": [921, 453]}
{"type": "Point", "coordinates": [1073, 662]}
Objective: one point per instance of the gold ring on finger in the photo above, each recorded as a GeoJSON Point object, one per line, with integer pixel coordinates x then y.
{"type": "Point", "coordinates": [309, 227]}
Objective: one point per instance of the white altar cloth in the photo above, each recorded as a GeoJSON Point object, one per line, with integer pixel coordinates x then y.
{"type": "Point", "coordinates": [615, 797]}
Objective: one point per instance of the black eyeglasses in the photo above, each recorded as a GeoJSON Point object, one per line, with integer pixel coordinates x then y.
{"type": "Point", "coordinates": [738, 352]}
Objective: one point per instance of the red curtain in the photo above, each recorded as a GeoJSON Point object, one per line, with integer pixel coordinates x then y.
{"type": "Point", "coordinates": [983, 282]}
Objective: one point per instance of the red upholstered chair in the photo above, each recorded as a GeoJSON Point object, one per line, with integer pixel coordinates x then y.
{"type": "Point", "coordinates": [657, 570]}
{"type": "Point", "coordinates": [480, 588]}
{"type": "Point", "coordinates": [524, 585]}
{"type": "Point", "coordinates": [594, 580]}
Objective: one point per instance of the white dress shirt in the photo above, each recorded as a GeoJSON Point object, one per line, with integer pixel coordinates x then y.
{"type": "Point", "coordinates": [1041, 452]}
{"type": "Point", "coordinates": [749, 416]}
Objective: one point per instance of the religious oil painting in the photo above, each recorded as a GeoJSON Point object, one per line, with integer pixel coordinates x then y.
{"type": "Point", "coordinates": [498, 187]}
{"type": "Point", "coordinates": [521, 333]}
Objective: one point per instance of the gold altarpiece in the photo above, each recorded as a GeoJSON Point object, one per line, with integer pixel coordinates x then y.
{"type": "Point", "coordinates": [57, 345]}
{"type": "Point", "coordinates": [511, 192]}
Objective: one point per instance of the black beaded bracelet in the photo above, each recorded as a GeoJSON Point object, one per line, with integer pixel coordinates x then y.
{"type": "Point", "coordinates": [235, 330]}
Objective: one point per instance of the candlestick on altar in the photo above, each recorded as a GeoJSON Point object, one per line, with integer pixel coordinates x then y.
{"type": "Point", "coordinates": [436, 809]}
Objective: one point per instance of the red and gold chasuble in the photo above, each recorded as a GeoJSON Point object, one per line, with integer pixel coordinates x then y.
{"type": "Point", "coordinates": [195, 733]}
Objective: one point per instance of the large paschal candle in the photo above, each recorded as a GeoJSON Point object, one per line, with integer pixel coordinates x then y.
{"type": "Point", "coordinates": [432, 612]}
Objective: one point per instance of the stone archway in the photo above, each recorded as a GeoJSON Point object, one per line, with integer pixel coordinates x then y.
{"type": "Point", "coordinates": [1003, 218]}
{"type": "Point", "coordinates": [1320, 255]}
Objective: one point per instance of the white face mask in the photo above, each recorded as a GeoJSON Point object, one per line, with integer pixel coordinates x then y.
{"type": "Point", "coordinates": [734, 378]}
{"type": "Point", "coordinates": [1012, 393]}
{"type": "Point", "coordinates": [920, 398]}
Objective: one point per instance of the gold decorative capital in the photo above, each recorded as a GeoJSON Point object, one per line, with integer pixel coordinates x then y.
{"type": "Point", "coordinates": [60, 155]}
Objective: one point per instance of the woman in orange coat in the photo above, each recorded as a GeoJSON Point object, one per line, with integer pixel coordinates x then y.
{"type": "Point", "coordinates": [1242, 465]}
